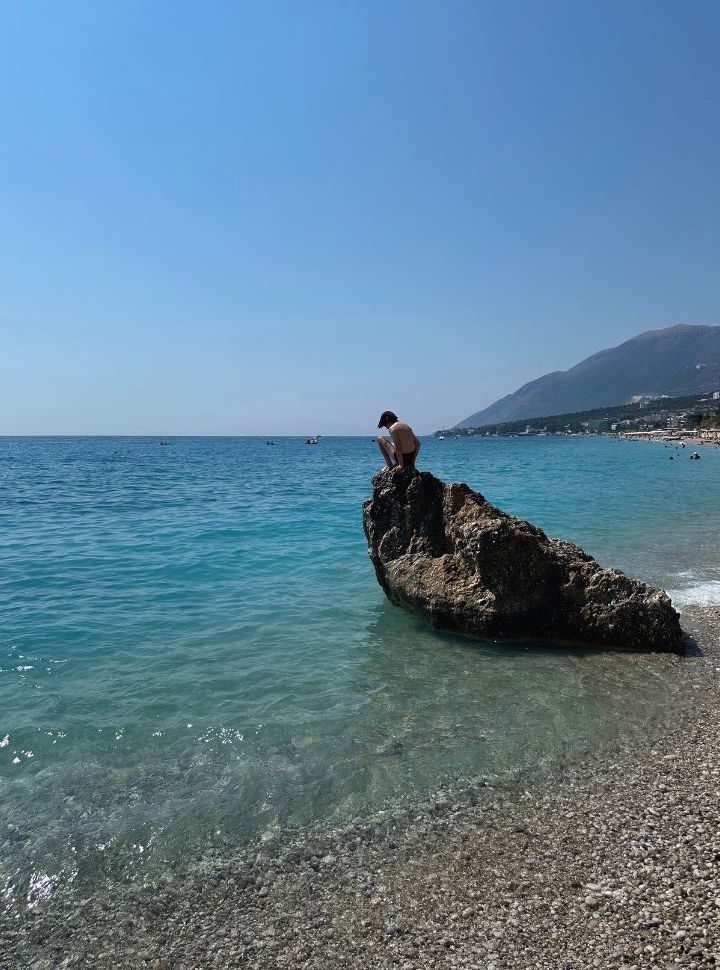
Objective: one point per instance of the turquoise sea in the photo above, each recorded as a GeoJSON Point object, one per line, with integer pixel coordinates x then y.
{"type": "Point", "coordinates": [194, 650]}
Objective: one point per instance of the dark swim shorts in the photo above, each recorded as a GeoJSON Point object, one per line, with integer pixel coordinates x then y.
{"type": "Point", "coordinates": [409, 460]}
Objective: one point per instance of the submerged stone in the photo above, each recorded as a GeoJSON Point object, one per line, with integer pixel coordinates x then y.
{"type": "Point", "coordinates": [445, 553]}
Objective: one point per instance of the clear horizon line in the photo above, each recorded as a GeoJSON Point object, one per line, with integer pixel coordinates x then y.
{"type": "Point", "coordinates": [204, 435]}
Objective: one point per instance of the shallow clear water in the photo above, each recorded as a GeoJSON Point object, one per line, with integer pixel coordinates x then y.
{"type": "Point", "coordinates": [194, 649]}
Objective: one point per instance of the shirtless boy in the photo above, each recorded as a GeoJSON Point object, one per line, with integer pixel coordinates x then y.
{"type": "Point", "coordinates": [402, 451]}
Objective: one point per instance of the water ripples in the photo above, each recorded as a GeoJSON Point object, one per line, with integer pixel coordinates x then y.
{"type": "Point", "coordinates": [193, 646]}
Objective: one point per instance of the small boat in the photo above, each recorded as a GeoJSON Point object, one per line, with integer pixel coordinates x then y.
{"type": "Point", "coordinates": [311, 441]}
{"type": "Point", "coordinates": [695, 456]}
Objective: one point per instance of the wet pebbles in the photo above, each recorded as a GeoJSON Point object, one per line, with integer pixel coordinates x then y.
{"type": "Point", "coordinates": [613, 863]}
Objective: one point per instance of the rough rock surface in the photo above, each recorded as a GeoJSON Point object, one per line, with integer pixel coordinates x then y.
{"type": "Point", "coordinates": [446, 553]}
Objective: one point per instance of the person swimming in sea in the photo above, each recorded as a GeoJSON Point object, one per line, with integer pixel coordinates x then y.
{"type": "Point", "coordinates": [401, 453]}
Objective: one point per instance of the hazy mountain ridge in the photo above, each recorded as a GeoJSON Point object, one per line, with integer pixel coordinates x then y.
{"type": "Point", "coordinates": [677, 360]}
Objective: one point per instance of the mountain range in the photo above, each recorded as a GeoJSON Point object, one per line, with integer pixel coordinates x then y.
{"type": "Point", "coordinates": [674, 361]}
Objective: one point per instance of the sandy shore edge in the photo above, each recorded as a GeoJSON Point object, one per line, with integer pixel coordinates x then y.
{"type": "Point", "coordinates": [611, 862]}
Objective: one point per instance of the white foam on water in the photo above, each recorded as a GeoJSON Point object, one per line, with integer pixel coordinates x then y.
{"type": "Point", "coordinates": [706, 593]}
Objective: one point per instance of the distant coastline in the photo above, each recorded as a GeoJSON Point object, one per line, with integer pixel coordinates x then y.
{"type": "Point", "coordinates": [697, 414]}
{"type": "Point", "coordinates": [673, 361]}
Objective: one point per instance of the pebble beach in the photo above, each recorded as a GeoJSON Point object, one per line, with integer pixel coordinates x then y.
{"type": "Point", "coordinates": [612, 861]}
{"type": "Point", "coordinates": [290, 679]}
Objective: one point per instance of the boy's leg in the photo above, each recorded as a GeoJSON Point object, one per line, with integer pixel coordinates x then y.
{"type": "Point", "coordinates": [387, 449]}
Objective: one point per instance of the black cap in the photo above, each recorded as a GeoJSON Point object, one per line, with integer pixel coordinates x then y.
{"type": "Point", "coordinates": [387, 417]}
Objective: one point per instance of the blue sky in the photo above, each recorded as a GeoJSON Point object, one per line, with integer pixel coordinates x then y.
{"type": "Point", "coordinates": [282, 218]}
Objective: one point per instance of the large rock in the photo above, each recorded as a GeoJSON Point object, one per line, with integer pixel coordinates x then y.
{"type": "Point", "coordinates": [444, 552]}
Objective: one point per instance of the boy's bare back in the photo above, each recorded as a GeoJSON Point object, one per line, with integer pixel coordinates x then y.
{"type": "Point", "coordinates": [403, 436]}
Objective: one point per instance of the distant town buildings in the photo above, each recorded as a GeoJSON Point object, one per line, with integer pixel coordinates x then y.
{"type": "Point", "coordinates": [690, 414]}
{"type": "Point", "coordinates": [597, 424]}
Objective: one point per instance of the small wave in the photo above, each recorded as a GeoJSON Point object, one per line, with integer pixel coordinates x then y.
{"type": "Point", "coordinates": [701, 594]}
